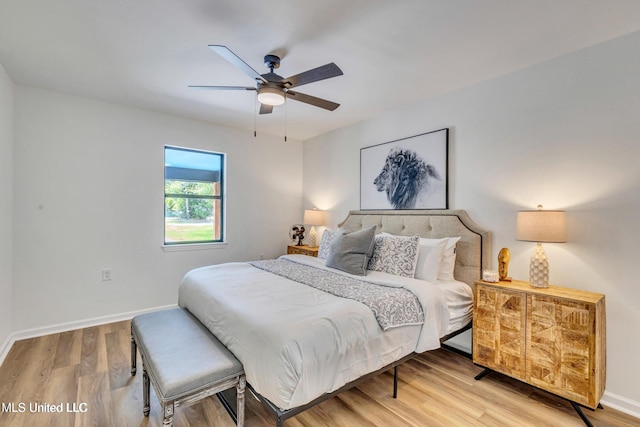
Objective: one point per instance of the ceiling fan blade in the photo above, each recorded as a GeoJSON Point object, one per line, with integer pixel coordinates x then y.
{"type": "Point", "coordinates": [223, 87]}
{"type": "Point", "coordinates": [235, 60]}
{"type": "Point", "coordinates": [266, 109]}
{"type": "Point", "coordinates": [324, 72]}
{"type": "Point", "coordinates": [312, 100]}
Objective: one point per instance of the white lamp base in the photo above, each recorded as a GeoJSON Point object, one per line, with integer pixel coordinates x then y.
{"type": "Point", "coordinates": [539, 268]}
{"type": "Point", "coordinates": [313, 237]}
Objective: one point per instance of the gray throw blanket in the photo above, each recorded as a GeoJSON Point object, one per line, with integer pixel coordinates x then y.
{"type": "Point", "coordinates": [391, 306]}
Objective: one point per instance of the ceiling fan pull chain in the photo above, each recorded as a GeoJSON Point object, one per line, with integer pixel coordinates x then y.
{"type": "Point", "coordinates": [286, 117]}
{"type": "Point", "coordinates": [255, 116]}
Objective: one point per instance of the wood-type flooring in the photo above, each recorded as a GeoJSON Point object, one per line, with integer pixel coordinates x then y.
{"type": "Point", "coordinates": [85, 373]}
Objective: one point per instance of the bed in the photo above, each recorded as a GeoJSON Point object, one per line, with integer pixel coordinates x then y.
{"type": "Point", "coordinates": [302, 341]}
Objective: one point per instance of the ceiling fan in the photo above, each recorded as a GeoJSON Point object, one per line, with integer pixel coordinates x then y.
{"type": "Point", "coordinates": [273, 89]}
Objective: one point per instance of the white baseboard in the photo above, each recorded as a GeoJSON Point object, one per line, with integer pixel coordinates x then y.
{"type": "Point", "coordinates": [621, 404]}
{"type": "Point", "coordinates": [69, 326]}
{"type": "Point", "coordinates": [5, 347]}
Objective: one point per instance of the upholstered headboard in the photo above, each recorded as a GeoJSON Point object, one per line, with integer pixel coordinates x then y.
{"type": "Point", "coordinates": [473, 251]}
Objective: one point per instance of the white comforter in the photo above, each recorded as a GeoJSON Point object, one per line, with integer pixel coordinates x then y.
{"type": "Point", "coordinates": [296, 342]}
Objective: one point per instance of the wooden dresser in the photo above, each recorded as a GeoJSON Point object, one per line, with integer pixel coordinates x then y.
{"type": "Point", "coordinates": [303, 250]}
{"type": "Point", "coordinates": [552, 338]}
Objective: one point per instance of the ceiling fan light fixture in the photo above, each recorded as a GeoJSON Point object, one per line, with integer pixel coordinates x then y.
{"type": "Point", "coordinates": [270, 96]}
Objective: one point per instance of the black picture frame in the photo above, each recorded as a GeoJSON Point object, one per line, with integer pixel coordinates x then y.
{"type": "Point", "coordinates": [407, 173]}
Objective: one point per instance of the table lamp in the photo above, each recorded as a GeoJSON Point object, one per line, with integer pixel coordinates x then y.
{"type": "Point", "coordinates": [540, 226]}
{"type": "Point", "coordinates": [313, 217]}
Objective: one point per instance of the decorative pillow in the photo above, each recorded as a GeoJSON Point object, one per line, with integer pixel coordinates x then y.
{"type": "Point", "coordinates": [350, 251]}
{"type": "Point", "coordinates": [325, 243]}
{"type": "Point", "coordinates": [448, 260]}
{"type": "Point", "coordinates": [395, 254]}
{"type": "Point", "coordinates": [430, 258]}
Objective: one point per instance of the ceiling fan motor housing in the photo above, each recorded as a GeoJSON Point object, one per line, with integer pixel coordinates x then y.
{"type": "Point", "coordinates": [272, 61]}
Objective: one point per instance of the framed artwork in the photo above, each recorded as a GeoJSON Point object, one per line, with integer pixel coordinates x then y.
{"type": "Point", "coordinates": [408, 173]}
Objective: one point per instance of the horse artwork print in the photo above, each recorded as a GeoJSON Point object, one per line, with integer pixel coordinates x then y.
{"type": "Point", "coordinates": [410, 173]}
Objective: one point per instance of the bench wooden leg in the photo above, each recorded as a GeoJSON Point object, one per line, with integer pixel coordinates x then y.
{"type": "Point", "coordinates": [133, 355]}
{"type": "Point", "coordinates": [167, 409]}
{"type": "Point", "coordinates": [240, 400]}
{"type": "Point", "coordinates": [145, 391]}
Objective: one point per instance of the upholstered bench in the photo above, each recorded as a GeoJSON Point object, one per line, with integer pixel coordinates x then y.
{"type": "Point", "coordinates": [183, 360]}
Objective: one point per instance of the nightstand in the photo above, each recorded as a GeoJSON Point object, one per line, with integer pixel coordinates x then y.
{"type": "Point", "coordinates": [552, 338]}
{"type": "Point", "coordinates": [303, 250]}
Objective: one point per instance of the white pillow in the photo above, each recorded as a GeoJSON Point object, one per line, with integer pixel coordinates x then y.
{"type": "Point", "coordinates": [395, 254]}
{"type": "Point", "coordinates": [448, 260]}
{"type": "Point", "coordinates": [430, 258]}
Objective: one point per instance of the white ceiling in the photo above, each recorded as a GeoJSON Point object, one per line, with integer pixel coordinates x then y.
{"type": "Point", "coordinates": [145, 53]}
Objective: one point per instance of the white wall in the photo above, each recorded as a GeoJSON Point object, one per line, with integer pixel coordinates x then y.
{"type": "Point", "coordinates": [6, 204]}
{"type": "Point", "coordinates": [564, 134]}
{"type": "Point", "coordinates": [89, 195]}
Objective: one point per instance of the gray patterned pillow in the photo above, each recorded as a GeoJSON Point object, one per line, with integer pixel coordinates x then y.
{"type": "Point", "coordinates": [395, 255]}
{"type": "Point", "coordinates": [327, 239]}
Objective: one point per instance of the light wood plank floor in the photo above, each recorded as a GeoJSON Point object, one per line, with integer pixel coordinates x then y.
{"type": "Point", "coordinates": [91, 367]}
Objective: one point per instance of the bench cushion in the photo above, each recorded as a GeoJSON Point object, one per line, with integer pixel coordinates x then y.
{"type": "Point", "coordinates": [181, 354]}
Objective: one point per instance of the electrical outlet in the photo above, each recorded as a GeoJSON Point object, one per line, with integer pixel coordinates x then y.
{"type": "Point", "coordinates": [106, 274]}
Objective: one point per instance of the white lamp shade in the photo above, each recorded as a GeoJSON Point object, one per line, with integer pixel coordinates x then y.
{"type": "Point", "coordinates": [313, 217]}
{"type": "Point", "coordinates": [270, 96]}
{"type": "Point", "coordinates": [541, 226]}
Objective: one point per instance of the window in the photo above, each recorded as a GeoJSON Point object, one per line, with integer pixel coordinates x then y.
{"type": "Point", "coordinates": [193, 196]}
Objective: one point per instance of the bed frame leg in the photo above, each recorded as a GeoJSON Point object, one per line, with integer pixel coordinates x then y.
{"type": "Point", "coordinates": [395, 382]}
